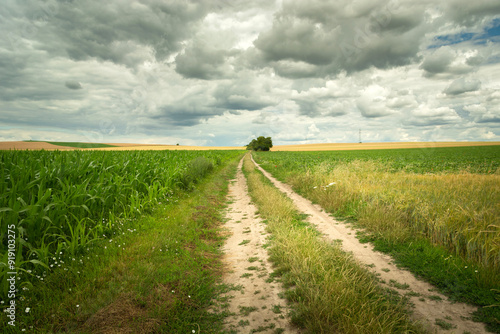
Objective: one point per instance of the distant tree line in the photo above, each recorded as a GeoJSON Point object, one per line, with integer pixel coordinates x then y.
{"type": "Point", "coordinates": [260, 144]}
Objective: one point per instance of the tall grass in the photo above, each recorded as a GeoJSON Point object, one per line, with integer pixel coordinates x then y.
{"type": "Point", "coordinates": [330, 292]}
{"type": "Point", "coordinates": [444, 225]}
{"type": "Point", "coordinates": [457, 211]}
{"type": "Point", "coordinates": [64, 201]}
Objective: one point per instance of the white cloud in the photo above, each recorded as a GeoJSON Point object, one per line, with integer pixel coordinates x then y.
{"type": "Point", "coordinates": [373, 102]}
{"type": "Point", "coordinates": [426, 115]}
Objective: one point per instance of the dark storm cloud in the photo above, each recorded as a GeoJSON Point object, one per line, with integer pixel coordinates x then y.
{"type": "Point", "coordinates": [114, 31]}
{"type": "Point", "coordinates": [73, 85]}
{"type": "Point", "coordinates": [235, 102]}
{"type": "Point", "coordinates": [424, 122]}
{"type": "Point", "coordinates": [244, 93]}
{"type": "Point", "coordinates": [202, 61]}
{"type": "Point", "coordinates": [332, 37]}
{"type": "Point", "coordinates": [12, 69]}
{"type": "Point", "coordinates": [307, 107]}
{"type": "Point", "coordinates": [439, 61]}
{"type": "Point", "coordinates": [322, 106]}
{"type": "Point", "coordinates": [489, 119]}
{"type": "Point", "coordinates": [444, 61]}
{"type": "Point", "coordinates": [470, 12]}
{"type": "Point", "coordinates": [172, 116]}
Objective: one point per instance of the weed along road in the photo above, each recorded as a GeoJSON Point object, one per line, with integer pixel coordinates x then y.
{"type": "Point", "coordinates": [427, 304]}
{"type": "Point", "coordinates": [254, 300]}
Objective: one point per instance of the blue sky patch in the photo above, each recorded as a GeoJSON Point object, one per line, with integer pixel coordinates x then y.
{"type": "Point", "coordinates": [494, 30]}
{"type": "Point", "coordinates": [489, 34]}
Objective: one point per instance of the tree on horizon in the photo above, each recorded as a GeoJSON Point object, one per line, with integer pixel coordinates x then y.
{"type": "Point", "coordinates": [260, 144]}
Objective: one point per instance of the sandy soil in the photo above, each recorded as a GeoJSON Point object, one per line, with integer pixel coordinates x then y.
{"type": "Point", "coordinates": [254, 302]}
{"type": "Point", "coordinates": [26, 145]}
{"type": "Point", "coordinates": [426, 310]}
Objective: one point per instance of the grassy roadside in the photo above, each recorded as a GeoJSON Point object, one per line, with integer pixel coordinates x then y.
{"type": "Point", "coordinates": [329, 291]}
{"type": "Point", "coordinates": [159, 277]}
{"type": "Point", "coordinates": [443, 227]}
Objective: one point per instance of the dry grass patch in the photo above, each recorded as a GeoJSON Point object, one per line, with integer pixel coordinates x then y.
{"type": "Point", "coordinates": [128, 315]}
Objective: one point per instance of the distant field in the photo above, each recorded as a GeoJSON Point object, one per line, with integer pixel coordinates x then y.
{"type": "Point", "coordinates": [35, 145]}
{"type": "Point", "coordinates": [473, 159]}
{"type": "Point", "coordinates": [38, 145]}
{"type": "Point", "coordinates": [80, 145]}
{"type": "Point", "coordinates": [375, 146]}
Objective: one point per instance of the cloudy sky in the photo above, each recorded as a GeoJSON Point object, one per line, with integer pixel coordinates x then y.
{"type": "Point", "coordinates": [221, 72]}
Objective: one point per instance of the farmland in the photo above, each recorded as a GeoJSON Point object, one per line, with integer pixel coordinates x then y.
{"type": "Point", "coordinates": [61, 200]}
{"type": "Point", "coordinates": [133, 239]}
{"type": "Point", "coordinates": [59, 204]}
{"type": "Point", "coordinates": [472, 159]}
{"type": "Point", "coordinates": [435, 210]}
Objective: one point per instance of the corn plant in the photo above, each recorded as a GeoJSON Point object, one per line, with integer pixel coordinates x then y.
{"type": "Point", "coordinates": [63, 201]}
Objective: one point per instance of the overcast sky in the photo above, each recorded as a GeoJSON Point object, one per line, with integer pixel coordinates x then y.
{"type": "Point", "coordinates": [221, 72]}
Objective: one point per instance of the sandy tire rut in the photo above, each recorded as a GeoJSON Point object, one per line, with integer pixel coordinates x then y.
{"type": "Point", "coordinates": [429, 305]}
{"type": "Point", "coordinates": [255, 303]}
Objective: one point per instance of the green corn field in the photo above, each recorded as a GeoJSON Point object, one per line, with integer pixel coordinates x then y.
{"type": "Point", "coordinates": [62, 202]}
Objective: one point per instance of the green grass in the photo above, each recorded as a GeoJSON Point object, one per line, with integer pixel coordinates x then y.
{"type": "Point", "coordinates": [444, 324]}
{"type": "Point", "coordinates": [331, 292]}
{"type": "Point", "coordinates": [277, 309]}
{"type": "Point", "coordinates": [124, 279]}
{"type": "Point", "coordinates": [474, 159]}
{"type": "Point", "coordinates": [244, 323]}
{"type": "Point", "coordinates": [80, 145]}
{"type": "Point", "coordinates": [246, 310]}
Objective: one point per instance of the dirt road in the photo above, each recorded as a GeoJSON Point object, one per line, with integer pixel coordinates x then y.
{"type": "Point", "coordinates": [255, 302]}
